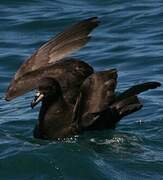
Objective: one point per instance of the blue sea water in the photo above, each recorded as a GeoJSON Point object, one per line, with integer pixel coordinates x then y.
{"type": "Point", "coordinates": [130, 38]}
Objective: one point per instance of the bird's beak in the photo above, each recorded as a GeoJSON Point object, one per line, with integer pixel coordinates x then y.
{"type": "Point", "coordinates": [38, 97]}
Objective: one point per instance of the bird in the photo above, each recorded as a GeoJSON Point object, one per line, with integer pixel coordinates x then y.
{"type": "Point", "coordinates": [74, 98]}
{"type": "Point", "coordinates": [97, 107]}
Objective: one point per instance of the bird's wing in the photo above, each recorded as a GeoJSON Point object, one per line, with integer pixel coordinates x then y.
{"type": "Point", "coordinates": [60, 46]}
{"type": "Point", "coordinates": [97, 93]}
{"type": "Point", "coordinates": [70, 72]}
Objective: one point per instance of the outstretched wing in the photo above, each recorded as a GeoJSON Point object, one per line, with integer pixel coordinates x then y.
{"type": "Point", "coordinates": [71, 73]}
{"type": "Point", "coordinates": [97, 93]}
{"type": "Point", "coordinates": [60, 46]}
{"type": "Point", "coordinates": [128, 102]}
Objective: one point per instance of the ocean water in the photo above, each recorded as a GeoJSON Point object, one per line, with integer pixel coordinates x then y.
{"type": "Point", "coordinates": [130, 38]}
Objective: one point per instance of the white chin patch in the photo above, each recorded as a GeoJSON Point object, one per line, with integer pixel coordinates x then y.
{"type": "Point", "coordinates": [38, 93]}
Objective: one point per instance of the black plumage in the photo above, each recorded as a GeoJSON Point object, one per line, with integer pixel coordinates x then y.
{"type": "Point", "coordinates": [97, 106]}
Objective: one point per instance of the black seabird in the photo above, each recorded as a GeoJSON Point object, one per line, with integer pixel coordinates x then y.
{"type": "Point", "coordinates": [74, 97]}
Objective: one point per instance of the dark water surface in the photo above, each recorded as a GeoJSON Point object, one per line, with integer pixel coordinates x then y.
{"type": "Point", "coordinates": [130, 39]}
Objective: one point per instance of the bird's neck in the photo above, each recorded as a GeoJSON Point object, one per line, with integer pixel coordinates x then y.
{"type": "Point", "coordinates": [51, 103]}
{"type": "Point", "coordinates": [55, 117]}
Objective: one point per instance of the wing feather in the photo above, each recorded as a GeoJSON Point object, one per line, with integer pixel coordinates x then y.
{"type": "Point", "coordinates": [60, 46]}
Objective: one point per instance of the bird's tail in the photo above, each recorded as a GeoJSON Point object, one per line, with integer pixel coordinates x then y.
{"type": "Point", "coordinates": [128, 102]}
